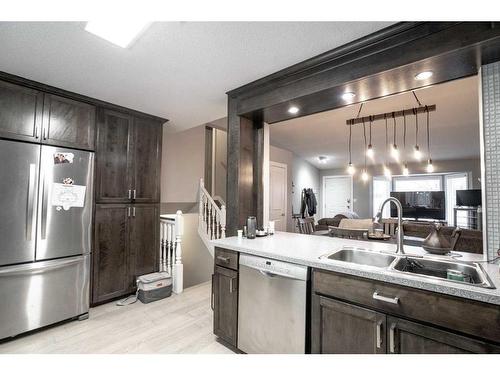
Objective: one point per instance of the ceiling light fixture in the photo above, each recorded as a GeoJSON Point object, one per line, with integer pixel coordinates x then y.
{"type": "Point", "coordinates": [350, 168]}
{"type": "Point", "coordinates": [293, 110]}
{"type": "Point", "coordinates": [364, 175]}
{"type": "Point", "coordinates": [424, 75]}
{"type": "Point", "coordinates": [348, 96]}
{"type": "Point", "coordinates": [430, 167]}
{"type": "Point", "coordinates": [387, 171]}
{"type": "Point", "coordinates": [369, 151]}
{"type": "Point", "coordinates": [120, 33]}
{"type": "Point", "coordinates": [406, 172]}
{"type": "Point", "coordinates": [322, 159]}
{"type": "Point", "coordinates": [417, 154]}
{"type": "Point", "coordinates": [394, 149]}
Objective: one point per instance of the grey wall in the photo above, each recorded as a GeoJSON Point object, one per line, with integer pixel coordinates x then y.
{"type": "Point", "coordinates": [490, 76]}
{"type": "Point", "coordinates": [182, 165]}
{"type": "Point", "coordinates": [362, 193]}
{"type": "Point", "coordinates": [300, 175]}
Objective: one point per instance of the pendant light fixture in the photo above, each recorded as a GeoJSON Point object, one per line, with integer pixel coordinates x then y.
{"type": "Point", "coordinates": [369, 151]}
{"type": "Point", "coordinates": [387, 171]}
{"type": "Point", "coordinates": [364, 175]}
{"type": "Point", "coordinates": [406, 172]}
{"type": "Point", "coordinates": [417, 154]}
{"type": "Point", "coordinates": [430, 167]}
{"type": "Point", "coordinates": [394, 147]}
{"type": "Point", "coordinates": [350, 168]}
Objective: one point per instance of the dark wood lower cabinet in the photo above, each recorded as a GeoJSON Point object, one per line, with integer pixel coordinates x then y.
{"type": "Point", "coordinates": [125, 246]}
{"type": "Point", "coordinates": [405, 337]}
{"type": "Point", "coordinates": [225, 304]}
{"type": "Point", "coordinates": [343, 328]}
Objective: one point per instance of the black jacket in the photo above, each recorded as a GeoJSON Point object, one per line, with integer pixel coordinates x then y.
{"type": "Point", "coordinates": [308, 202]}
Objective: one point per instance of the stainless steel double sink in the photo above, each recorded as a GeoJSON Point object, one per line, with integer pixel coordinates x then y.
{"type": "Point", "coordinates": [470, 273]}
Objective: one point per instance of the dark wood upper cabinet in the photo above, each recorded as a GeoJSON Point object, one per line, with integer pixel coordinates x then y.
{"type": "Point", "coordinates": [225, 304]}
{"type": "Point", "coordinates": [20, 112]}
{"type": "Point", "coordinates": [128, 158]}
{"type": "Point", "coordinates": [405, 337]}
{"type": "Point", "coordinates": [113, 158]}
{"type": "Point", "coordinates": [111, 253]}
{"type": "Point", "coordinates": [68, 123]}
{"type": "Point", "coordinates": [144, 240]}
{"type": "Point", "coordinates": [342, 328]}
{"type": "Point", "coordinates": [146, 146]}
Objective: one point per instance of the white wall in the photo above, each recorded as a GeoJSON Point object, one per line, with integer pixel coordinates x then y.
{"type": "Point", "coordinates": [183, 164]}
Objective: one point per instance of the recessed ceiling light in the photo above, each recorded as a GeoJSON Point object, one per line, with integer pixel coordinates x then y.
{"type": "Point", "coordinates": [322, 159]}
{"type": "Point", "coordinates": [121, 33]}
{"type": "Point", "coordinates": [424, 75]}
{"type": "Point", "coordinates": [293, 110]}
{"type": "Point", "coordinates": [348, 95]}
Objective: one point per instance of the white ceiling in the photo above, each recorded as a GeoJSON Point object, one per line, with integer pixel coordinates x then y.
{"type": "Point", "coordinates": [454, 127]}
{"type": "Point", "coordinates": [177, 70]}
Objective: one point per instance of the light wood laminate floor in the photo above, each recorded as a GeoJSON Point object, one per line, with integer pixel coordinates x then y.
{"type": "Point", "coordinates": [179, 324]}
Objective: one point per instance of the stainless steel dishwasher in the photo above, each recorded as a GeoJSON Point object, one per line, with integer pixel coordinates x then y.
{"type": "Point", "coordinates": [271, 306]}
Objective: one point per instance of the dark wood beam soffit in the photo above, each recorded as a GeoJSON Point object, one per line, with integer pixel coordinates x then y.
{"type": "Point", "coordinates": [381, 64]}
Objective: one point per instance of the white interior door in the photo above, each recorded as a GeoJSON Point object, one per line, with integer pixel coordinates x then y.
{"type": "Point", "coordinates": [337, 195]}
{"type": "Point", "coordinates": [277, 195]}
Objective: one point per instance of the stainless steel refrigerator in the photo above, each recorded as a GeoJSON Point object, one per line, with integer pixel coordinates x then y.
{"type": "Point", "coordinates": [45, 235]}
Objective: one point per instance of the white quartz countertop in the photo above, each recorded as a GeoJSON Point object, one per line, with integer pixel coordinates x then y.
{"type": "Point", "coordinates": [307, 250]}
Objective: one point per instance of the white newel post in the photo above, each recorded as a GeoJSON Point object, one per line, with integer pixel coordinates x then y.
{"type": "Point", "coordinates": [223, 221]}
{"type": "Point", "coordinates": [178, 267]}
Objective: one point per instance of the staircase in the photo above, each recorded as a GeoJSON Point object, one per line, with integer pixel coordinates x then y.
{"type": "Point", "coordinates": [212, 218]}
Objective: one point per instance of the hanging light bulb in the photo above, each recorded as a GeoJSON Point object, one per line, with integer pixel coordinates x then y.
{"type": "Point", "coordinates": [395, 152]}
{"type": "Point", "coordinates": [365, 176]}
{"type": "Point", "coordinates": [369, 152]}
{"type": "Point", "coordinates": [387, 172]}
{"type": "Point", "coordinates": [406, 172]}
{"type": "Point", "coordinates": [417, 154]}
{"type": "Point", "coordinates": [394, 147]}
{"type": "Point", "coordinates": [430, 167]}
{"type": "Point", "coordinates": [350, 169]}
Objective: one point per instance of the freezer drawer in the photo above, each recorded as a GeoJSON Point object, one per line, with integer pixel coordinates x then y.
{"type": "Point", "coordinates": [38, 294]}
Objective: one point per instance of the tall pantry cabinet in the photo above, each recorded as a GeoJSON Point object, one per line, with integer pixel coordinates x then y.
{"type": "Point", "coordinates": [126, 240]}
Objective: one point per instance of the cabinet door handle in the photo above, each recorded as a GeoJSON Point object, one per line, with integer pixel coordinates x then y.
{"type": "Point", "coordinates": [44, 133]}
{"type": "Point", "coordinates": [392, 346]}
{"type": "Point", "coordinates": [133, 211]}
{"type": "Point", "coordinates": [393, 300]}
{"type": "Point", "coordinates": [379, 335]}
{"type": "Point", "coordinates": [231, 285]}
{"type": "Point", "coordinates": [135, 194]}
{"type": "Point", "coordinates": [36, 131]}
{"type": "Point", "coordinates": [128, 211]}
{"type": "Point", "coordinates": [129, 194]}
{"type": "Point", "coordinates": [223, 259]}
{"type": "Point", "coordinates": [212, 295]}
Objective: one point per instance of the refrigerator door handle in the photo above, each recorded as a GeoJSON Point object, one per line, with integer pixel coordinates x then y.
{"type": "Point", "coordinates": [43, 223]}
{"type": "Point", "coordinates": [31, 202]}
{"type": "Point", "coordinates": [37, 268]}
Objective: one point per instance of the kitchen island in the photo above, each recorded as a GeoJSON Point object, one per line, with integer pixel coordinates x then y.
{"type": "Point", "coordinates": [359, 308]}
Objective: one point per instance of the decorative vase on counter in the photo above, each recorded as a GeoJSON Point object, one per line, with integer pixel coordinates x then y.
{"type": "Point", "coordinates": [251, 227]}
{"type": "Point", "coordinates": [437, 243]}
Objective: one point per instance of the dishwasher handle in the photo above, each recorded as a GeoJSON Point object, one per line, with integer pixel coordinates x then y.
{"type": "Point", "coordinates": [272, 274]}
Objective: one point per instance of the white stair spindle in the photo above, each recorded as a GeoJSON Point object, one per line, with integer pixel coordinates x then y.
{"type": "Point", "coordinates": [178, 271]}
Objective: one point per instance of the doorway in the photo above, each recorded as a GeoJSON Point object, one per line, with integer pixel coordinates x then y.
{"type": "Point", "coordinates": [337, 195]}
{"type": "Point", "coordinates": [278, 195]}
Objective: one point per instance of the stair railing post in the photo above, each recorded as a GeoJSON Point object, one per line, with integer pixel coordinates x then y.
{"type": "Point", "coordinates": [178, 266]}
{"type": "Point", "coordinates": [223, 221]}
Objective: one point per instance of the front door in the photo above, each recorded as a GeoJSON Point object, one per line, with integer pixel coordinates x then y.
{"type": "Point", "coordinates": [277, 195]}
{"type": "Point", "coordinates": [337, 195]}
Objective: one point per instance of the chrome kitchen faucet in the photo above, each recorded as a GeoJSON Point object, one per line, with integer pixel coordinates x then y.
{"type": "Point", "coordinates": [399, 229]}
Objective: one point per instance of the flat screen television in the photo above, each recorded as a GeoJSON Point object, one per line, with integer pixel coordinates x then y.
{"type": "Point", "coordinates": [420, 204]}
{"type": "Point", "coordinates": [469, 198]}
